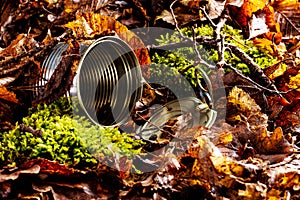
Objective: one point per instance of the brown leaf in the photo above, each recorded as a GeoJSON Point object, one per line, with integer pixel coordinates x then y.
{"type": "Point", "coordinates": [62, 78]}
{"type": "Point", "coordinates": [7, 80]}
{"type": "Point", "coordinates": [241, 105]}
{"type": "Point", "coordinates": [35, 169]}
{"type": "Point", "coordinates": [166, 16]}
{"type": "Point", "coordinates": [50, 167]}
{"type": "Point", "coordinates": [272, 143]}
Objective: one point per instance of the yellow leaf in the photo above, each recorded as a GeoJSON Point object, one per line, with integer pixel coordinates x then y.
{"type": "Point", "coordinates": [254, 191]}
{"type": "Point", "coordinates": [275, 71]}
{"type": "Point", "coordinates": [295, 82]}
{"type": "Point", "coordinates": [240, 104]}
{"type": "Point", "coordinates": [266, 44]}
{"type": "Point", "coordinates": [225, 138]}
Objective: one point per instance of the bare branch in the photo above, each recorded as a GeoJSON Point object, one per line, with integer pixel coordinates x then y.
{"type": "Point", "coordinates": [291, 23]}
{"type": "Point", "coordinates": [207, 17]}
{"type": "Point", "coordinates": [174, 18]}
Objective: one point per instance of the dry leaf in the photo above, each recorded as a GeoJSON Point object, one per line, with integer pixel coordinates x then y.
{"type": "Point", "coordinates": [7, 80]}
{"type": "Point", "coordinates": [88, 25]}
{"type": "Point", "coordinates": [253, 191]}
{"type": "Point", "coordinates": [241, 105]}
{"type": "Point", "coordinates": [294, 82]}
{"type": "Point", "coordinates": [275, 70]}
{"type": "Point", "coordinates": [7, 95]}
{"type": "Point", "coordinates": [214, 9]}
{"type": "Point", "coordinates": [165, 16]}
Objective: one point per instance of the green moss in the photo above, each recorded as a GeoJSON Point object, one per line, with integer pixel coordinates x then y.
{"type": "Point", "coordinates": [182, 59]}
{"type": "Point", "coordinates": [67, 139]}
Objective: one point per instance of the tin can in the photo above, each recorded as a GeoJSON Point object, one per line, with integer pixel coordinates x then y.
{"type": "Point", "coordinates": [101, 96]}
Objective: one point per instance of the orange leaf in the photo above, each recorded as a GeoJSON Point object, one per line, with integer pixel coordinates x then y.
{"type": "Point", "coordinates": [244, 13]}
{"type": "Point", "coordinates": [266, 44]}
{"type": "Point", "coordinates": [7, 95]}
{"type": "Point", "coordinates": [89, 24]}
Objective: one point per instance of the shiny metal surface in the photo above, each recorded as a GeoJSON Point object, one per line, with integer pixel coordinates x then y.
{"type": "Point", "coordinates": [103, 63]}
{"type": "Point", "coordinates": [201, 115]}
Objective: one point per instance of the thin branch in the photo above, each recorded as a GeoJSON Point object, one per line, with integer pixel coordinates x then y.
{"type": "Point", "coordinates": [174, 18]}
{"type": "Point", "coordinates": [200, 60]}
{"type": "Point", "coordinates": [272, 91]}
{"type": "Point", "coordinates": [187, 42]}
{"type": "Point", "coordinates": [207, 17]}
{"type": "Point", "coordinates": [292, 24]}
{"type": "Point", "coordinates": [221, 38]}
{"type": "Point", "coordinates": [256, 71]}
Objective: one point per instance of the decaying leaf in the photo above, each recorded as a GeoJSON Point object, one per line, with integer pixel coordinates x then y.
{"type": "Point", "coordinates": [254, 191]}
{"type": "Point", "coordinates": [252, 125]}
{"type": "Point", "coordinates": [35, 169]}
{"type": "Point", "coordinates": [20, 45]}
{"type": "Point", "coordinates": [242, 106]}
{"type": "Point", "coordinates": [62, 78]}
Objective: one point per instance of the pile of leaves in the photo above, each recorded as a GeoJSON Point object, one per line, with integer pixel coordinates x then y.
{"type": "Point", "coordinates": [251, 152]}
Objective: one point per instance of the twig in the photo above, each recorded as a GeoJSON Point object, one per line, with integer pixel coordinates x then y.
{"type": "Point", "coordinates": [37, 133]}
{"type": "Point", "coordinates": [287, 19]}
{"type": "Point", "coordinates": [256, 71]}
{"type": "Point", "coordinates": [272, 91]}
{"type": "Point", "coordinates": [207, 17]}
{"type": "Point", "coordinates": [200, 60]}
{"type": "Point", "coordinates": [174, 18]}
{"type": "Point", "coordinates": [187, 42]}
{"type": "Point", "coordinates": [221, 38]}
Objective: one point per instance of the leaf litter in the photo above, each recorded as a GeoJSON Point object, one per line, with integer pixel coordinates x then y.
{"type": "Point", "coordinates": [243, 157]}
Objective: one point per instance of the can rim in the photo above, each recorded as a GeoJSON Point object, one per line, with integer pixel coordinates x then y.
{"type": "Point", "coordinates": [76, 82]}
{"type": "Point", "coordinates": [174, 109]}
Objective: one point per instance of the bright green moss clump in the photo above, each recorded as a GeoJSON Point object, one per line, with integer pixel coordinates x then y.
{"type": "Point", "coordinates": [67, 139]}
{"type": "Point", "coordinates": [183, 58]}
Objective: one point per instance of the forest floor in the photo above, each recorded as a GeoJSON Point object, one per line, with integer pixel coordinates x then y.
{"type": "Point", "coordinates": [251, 151]}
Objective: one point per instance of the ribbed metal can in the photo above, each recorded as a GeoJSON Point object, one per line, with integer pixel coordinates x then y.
{"type": "Point", "coordinates": [108, 79]}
